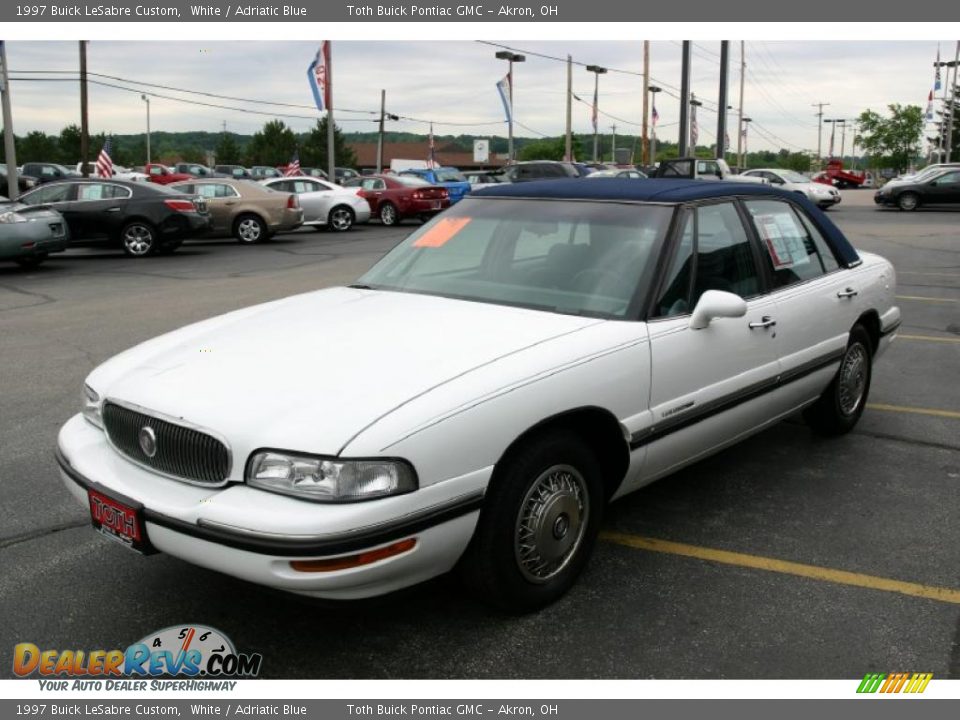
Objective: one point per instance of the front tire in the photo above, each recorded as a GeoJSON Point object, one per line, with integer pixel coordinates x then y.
{"type": "Point", "coordinates": [389, 215]}
{"type": "Point", "coordinates": [340, 219]}
{"type": "Point", "coordinates": [138, 238]}
{"type": "Point", "coordinates": [538, 525]}
{"type": "Point", "coordinates": [30, 263]}
{"type": "Point", "coordinates": [249, 229]}
{"type": "Point", "coordinates": [908, 201]}
{"type": "Point", "coordinates": [840, 406]}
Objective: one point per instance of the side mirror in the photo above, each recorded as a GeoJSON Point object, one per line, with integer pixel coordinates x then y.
{"type": "Point", "coordinates": [716, 304]}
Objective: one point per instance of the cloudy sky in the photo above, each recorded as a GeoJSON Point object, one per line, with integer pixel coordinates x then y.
{"type": "Point", "coordinates": [452, 84]}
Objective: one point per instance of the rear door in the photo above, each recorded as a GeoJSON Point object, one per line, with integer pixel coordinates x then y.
{"type": "Point", "coordinates": [221, 201]}
{"type": "Point", "coordinates": [815, 306]}
{"type": "Point", "coordinates": [943, 190]}
{"type": "Point", "coordinates": [101, 209]}
{"type": "Point", "coordinates": [707, 386]}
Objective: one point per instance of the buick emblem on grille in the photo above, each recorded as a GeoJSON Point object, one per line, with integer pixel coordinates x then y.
{"type": "Point", "coordinates": [148, 441]}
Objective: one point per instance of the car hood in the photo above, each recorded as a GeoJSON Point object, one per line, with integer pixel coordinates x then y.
{"type": "Point", "coordinates": [311, 371]}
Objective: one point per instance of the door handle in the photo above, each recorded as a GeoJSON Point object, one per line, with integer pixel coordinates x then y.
{"type": "Point", "coordinates": [113, 209]}
{"type": "Point", "coordinates": [848, 293]}
{"type": "Point", "coordinates": [765, 322]}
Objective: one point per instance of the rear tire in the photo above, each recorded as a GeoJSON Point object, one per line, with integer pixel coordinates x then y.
{"type": "Point", "coordinates": [138, 238]}
{"type": "Point", "coordinates": [389, 215]}
{"type": "Point", "coordinates": [249, 229]}
{"type": "Point", "coordinates": [340, 219]}
{"type": "Point", "coordinates": [538, 524]}
{"type": "Point", "coordinates": [840, 406]}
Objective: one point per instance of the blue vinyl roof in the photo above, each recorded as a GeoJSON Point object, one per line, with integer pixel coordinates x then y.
{"type": "Point", "coordinates": [664, 190]}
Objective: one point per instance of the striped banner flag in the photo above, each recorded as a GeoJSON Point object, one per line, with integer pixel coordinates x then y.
{"type": "Point", "coordinates": [503, 87]}
{"type": "Point", "coordinates": [105, 162]}
{"type": "Point", "coordinates": [318, 76]}
{"type": "Point", "coordinates": [936, 77]}
{"type": "Point", "coordinates": [655, 116]}
{"type": "Point", "coordinates": [930, 106]}
{"type": "Point", "coordinates": [594, 109]}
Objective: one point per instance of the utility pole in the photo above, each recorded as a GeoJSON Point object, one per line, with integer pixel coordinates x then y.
{"type": "Point", "coordinates": [613, 147]}
{"type": "Point", "coordinates": [833, 134]}
{"type": "Point", "coordinates": [84, 126]}
{"type": "Point", "coordinates": [743, 72]}
{"type": "Point", "coordinates": [147, 101]}
{"type": "Point", "coordinates": [843, 136]}
{"type": "Point", "coordinates": [383, 110]}
{"type": "Point", "coordinates": [684, 99]}
{"type": "Point", "coordinates": [568, 143]}
{"type": "Point", "coordinates": [9, 146]}
{"type": "Point", "coordinates": [819, 107]}
{"type": "Point", "coordinates": [644, 147]}
{"type": "Point", "coordinates": [722, 100]}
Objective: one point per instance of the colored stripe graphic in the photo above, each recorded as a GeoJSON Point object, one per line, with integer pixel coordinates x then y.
{"type": "Point", "coordinates": [914, 683]}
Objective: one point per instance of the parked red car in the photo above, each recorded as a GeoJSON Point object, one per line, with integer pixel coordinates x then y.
{"type": "Point", "coordinates": [393, 198]}
{"type": "Point", "coordinates": [162, 175]}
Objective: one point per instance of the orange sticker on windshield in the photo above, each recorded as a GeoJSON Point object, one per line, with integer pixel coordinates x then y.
{"type": "Point", "coordinates": [445, 229]}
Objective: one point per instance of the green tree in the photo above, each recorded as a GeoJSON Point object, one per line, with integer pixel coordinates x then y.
{"type": "Point", "coordinates": [894, 140]}
{"type": "Point", "coordinates": [69, 145]}
{"type": "Point", "coordinates": [796, 161]}
{"type": "Point", "coordinates": [227, 152]}
{"type": "Point", "coordinates": [550, 149]}
{"type": "Point", "coordinates": [313, 153]}
{"type": "Point", "coordinates": [37, 146]}
{"type": "Point", "coordinates": [273, 145]}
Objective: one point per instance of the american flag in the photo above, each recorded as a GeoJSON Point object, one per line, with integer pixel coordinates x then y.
{"type": "Point", "coordinates": [432, 151]}
{"type": "Point", "coordinates": [656, 115]}
{"type": "Point", "coordinates": [294, 167]}
{"type": "Point", "coordinates": [104, 163]}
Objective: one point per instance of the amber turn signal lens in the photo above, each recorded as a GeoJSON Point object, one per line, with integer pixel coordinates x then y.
{"type": "Point", "coordinates": [352, 561]}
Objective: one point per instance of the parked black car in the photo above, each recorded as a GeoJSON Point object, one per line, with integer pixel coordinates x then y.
{"type": "Point", "coordinates": [237, 172]}
{"type": "Point", "coordinates": [24, 182]}
{"type": "Point", "coordinates": [197, 170]}
{"type": "Point", "coordinates": [142, 218]}
{"type": "Point", "coordinates": [48, 172]}
{"type": "Point", "coordinates": [540, 170]}
{"type": "Point", "coordinates": [940, 189]}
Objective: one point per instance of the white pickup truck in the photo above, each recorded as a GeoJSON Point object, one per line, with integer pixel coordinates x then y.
{"type": "Point", "coordinates": [700, 169]}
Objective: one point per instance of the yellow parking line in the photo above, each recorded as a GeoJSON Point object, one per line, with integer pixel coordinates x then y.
{"type": "Point", "coordinates": [927, 299]}
{"type": "Point", "coordinates": [915, 410]}
{"type": "Point", "coordinates": [929, 338]}
{"type": "Point", "coordinates": [758, 562]}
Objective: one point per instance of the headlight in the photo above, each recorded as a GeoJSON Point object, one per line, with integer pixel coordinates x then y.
{"type": "Point", "coordinates": [328, 479]}
{"type": "Point", "coordinates": [92, 404]}
{"type": "Point", "coordinates": [12, 217]}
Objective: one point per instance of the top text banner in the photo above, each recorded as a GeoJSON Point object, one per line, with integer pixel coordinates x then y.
{"type": "Point", "coordinates": [515, 11]}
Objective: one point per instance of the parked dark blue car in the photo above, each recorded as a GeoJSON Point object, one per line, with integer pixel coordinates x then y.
{"type": "Point", "coordinates": [449, 177]}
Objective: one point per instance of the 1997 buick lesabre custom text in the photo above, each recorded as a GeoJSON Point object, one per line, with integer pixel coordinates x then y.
{"type": "Point", "coordinates": [482, 392]}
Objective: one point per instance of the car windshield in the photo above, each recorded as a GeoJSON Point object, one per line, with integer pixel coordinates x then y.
{"type": "Point", "coordinates": [450, 176]}
{"type": "Point", "coordinates": [410, 181]}
{"type": "Point", "coordinates": [581, 258]}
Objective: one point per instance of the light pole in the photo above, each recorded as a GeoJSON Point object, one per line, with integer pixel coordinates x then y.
{"type": "Point", "coordinates": [843, 136]}
{"type": "Point", "coordinates": [597, 72]}
{"type": "Point", "coordinates": [147, 101]}
{"type": "Point", "coordinates": [743, 131]}
{"type": "Point", "coordinates": [511, 58]}
{"type": "Point", "coordinates": [653, 124]}
{"type": "Point", "coordinates": [694, 128]}
{"type": "Point", "coordinates": [946, 127]}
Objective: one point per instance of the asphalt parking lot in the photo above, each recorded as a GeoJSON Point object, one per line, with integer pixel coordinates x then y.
{"type": "Point", "coordinates": [788, 556]}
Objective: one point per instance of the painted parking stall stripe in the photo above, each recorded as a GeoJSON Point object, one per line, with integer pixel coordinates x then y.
{"type": "Point", "coordinates": [786, 567]}
{"type": "Point", "coordinates": [933, 412]}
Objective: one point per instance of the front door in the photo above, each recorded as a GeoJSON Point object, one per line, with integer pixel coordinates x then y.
{"type": "Point", "coordinates": [707, 386]}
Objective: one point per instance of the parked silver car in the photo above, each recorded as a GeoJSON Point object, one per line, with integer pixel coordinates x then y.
{"type": "Point", "coordinates": [818, 193]}
{"type": "Point", "coordinates": [325, 205]}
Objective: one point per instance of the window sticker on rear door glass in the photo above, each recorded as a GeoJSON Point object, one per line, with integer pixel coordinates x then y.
{"type": "Point", "coordinates": [784, 240]}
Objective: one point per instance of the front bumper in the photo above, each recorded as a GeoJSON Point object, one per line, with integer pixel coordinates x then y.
{"type": "Point", "coordinates": [255, 535]}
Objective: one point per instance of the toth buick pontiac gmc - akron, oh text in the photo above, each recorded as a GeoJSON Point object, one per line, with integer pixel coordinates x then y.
{"type": "Point", "coordinates": [475, 399]}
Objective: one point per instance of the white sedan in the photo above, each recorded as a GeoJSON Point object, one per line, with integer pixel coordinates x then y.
{"type": "Point", "coordinates": [823, 195]}
{"type": "Point", "coordinates": [479, 395]}
{"type": "Point", "coordinates": [324, 204]}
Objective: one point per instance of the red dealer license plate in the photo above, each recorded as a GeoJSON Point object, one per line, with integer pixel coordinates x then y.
{"type": "Point", "coordinates": [120, 520]}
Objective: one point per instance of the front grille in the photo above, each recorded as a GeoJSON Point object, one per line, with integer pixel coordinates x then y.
{"type": "Point", "coordinates": [181, 452]}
